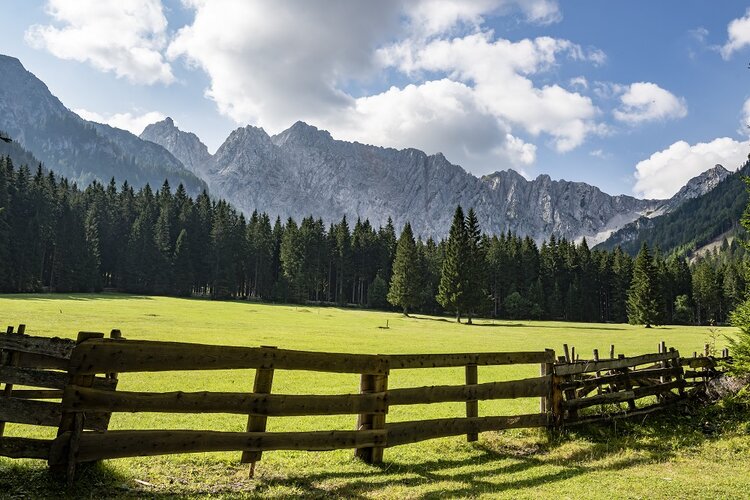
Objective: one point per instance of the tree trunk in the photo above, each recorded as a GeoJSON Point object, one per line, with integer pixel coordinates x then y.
{"type": "Point", "coordinates": [458, 317]}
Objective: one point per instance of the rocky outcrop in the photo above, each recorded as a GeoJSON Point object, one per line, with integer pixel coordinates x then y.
{"type": "Point", "coordinates": [185, 146]}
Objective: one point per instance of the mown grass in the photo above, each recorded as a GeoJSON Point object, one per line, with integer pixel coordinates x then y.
{"type": "Point", "coordinates": [672, 457]}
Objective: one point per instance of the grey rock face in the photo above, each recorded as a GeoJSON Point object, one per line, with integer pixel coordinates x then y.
{"type": "Point", "coordinates": [304, 171]}
{"type": "Point", "coordinates": [75, 148]}
{"type": "Point", "coordinates": [184, 146]}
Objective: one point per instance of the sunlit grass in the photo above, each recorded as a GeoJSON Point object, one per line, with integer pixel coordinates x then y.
{"type": "Point", "coordinates": [513, 464]}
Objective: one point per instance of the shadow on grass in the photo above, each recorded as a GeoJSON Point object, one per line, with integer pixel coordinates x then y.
{"type": "Point", "coordinates": [74, 296]}
{"type": "Point", "coordinates": [496, 465]}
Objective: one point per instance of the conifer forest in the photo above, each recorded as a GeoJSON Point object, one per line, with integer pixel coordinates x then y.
{"type": "Point", "coordinates": [57, 237]}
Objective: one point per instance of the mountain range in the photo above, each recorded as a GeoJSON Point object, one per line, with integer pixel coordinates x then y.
{"type": "Point", "coordinates": [304, 171]}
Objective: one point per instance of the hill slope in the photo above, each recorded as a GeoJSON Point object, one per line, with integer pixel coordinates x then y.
{"type": "Point", "coordinates": [80, 150]}
{"type": "Point", "coordinates": [692, 224]}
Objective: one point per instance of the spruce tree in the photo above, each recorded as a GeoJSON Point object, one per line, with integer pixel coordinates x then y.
{"type": "Point", "coordinates": [452, 288]}
{"type": "Point", "coordinates": [405, 289]}
{"type": "Point", "coordinates": [475, 267]}
{"type": "Point", "coordinates": [644, 305]}
{"type": "Point", "coordinates": [183, 266]}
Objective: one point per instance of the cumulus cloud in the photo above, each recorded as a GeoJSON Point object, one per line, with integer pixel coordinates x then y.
{"type": "Point", "coordinates": [738, 33]}
{"type": "Point", "coordinates": [666, 171]}
{"type": "Point", "coordinates": [134, 123]}
{"type": "Point", "coordinates": [500, 74]}
{"type": "Point", "coordinates": [124, 37]}
{"type": "Point", "coordinates": [441, 115]}
{"type": "Point", "coordinates": [465, 92]}
{"type": "Point", "coordinates": [646, 101]}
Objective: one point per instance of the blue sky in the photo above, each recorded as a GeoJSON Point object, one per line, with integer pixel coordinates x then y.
{"type": "Point", "coordinates": [635, 97]}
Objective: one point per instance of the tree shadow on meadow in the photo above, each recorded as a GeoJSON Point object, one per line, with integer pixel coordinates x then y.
{"type": "Point", "coordinates": [78, 297]}
{"type": "Point", "coordinates": [495, 466]}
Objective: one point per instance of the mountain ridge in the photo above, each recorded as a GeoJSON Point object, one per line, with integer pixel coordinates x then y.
{"type": "Point", "coordinates": [301, 163]}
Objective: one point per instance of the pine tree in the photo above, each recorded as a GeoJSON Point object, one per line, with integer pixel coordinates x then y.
{"type": "Point", "coordinates": [183, 266]}
{"type": "Point", "coordinates": [453, 275]}
{"type": "Point", "coordinates": [475, 267]}
{"type": "Point", "coordinates": [644, 295]}
{"type": "Point", "coordinates": [405, 288]}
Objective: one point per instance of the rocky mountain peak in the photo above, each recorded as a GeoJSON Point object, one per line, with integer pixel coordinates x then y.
{"type": "Point", "coordinates": [185, 146]}
{"type": "Point", "coordinates": [302, 134]}
{"type": "Point", "coordinates": [698, 186]}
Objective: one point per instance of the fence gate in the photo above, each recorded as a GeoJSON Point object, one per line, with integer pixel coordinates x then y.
{"type": "Point", "coordinates": [34, 371]}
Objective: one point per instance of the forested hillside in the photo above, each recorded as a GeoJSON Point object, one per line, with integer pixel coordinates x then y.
{"type": "Point", "coordinates": [693, 224]}
{"type": "Point", "coordinates": [54, 236]}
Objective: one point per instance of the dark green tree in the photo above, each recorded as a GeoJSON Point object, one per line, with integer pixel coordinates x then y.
{"type": "Point", "coordinates": [644, 306]}
{"type": "Point", "coordinates": [453, 275]}
{"type": "Point", "coordinates": [405, 287]}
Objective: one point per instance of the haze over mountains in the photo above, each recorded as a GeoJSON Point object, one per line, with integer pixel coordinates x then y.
{"type": "Point", "coordinates": [304, 171]}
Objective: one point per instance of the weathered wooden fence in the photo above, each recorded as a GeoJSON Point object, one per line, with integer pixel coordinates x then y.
{"type": "Point", "coordinates": [83, 375]}
{"type": "Point", "coordinates": [371, 405]}
{"type": "Point", "coordinates": [596, 389]}
{"type": "Point", "coordinates": [39, 364]}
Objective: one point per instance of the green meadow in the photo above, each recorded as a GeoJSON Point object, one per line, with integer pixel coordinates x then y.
{"type": "Point", "coordinates": [668, 456]}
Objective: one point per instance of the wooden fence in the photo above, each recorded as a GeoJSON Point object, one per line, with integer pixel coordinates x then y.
{"type": "Point", "coordinates": [40, 364]}
{"type": "Point", "coordinates": [84, 375]}
{"type": "Point", "coordinates": [597, 389]}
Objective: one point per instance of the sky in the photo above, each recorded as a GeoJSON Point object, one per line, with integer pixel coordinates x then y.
{"type": "Point", "coordinates": [635, 97]}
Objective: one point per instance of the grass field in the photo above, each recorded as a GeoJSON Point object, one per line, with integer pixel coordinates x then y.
{"type": "Point", "coordinates": [668, 458]}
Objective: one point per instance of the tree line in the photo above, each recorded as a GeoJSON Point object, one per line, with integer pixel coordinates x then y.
{"type": "Point", "coordinates": [57, 237]}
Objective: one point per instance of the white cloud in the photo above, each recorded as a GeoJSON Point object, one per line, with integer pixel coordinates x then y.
{"type": "Point", "coordinates": [738, 32]}
{"type": "Point", "coordinates": [437, 116]}
{"type": "Point", "coordinates": [500, 74]}
{"type": "Point", "coordinates": [134, 123]}
{"type": "Point", "coordinates": [465, 92]}
{"type": "Point", "coordinates": [666, 171]}
{"type": "Point", "coordinates": [579, 83]}
{"type": "Point", "coordinates": [646, 101]}
{"type": "Point", "coordinates": [125, 37]}
{"type": "Point", "coordinates": [429, 17]}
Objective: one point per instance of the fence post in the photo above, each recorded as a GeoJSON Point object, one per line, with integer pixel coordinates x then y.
{"type": "Point", "coordinates": [72, 422]}
{"type": "Point", "coordinates": [11, 360]}
{"type": "Point", "coordinates": [472, 406]}
{"type": "Point", "coordinates": [628, 383]}
{"type": "Point", "coordinates": [677, 364]}
{"type": "Point", "coordinates": [378, 420]}
{"type": "Point", "coordinates": [257, 423]}
{"type": "Point", "coordinates": [369, 384]}
{"type": "Point", "coordinates": [546, 369]}
{"type": "Point", "coordinates": [21, 329]}
{"type": "Point", "coordinates": [556, 397]}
